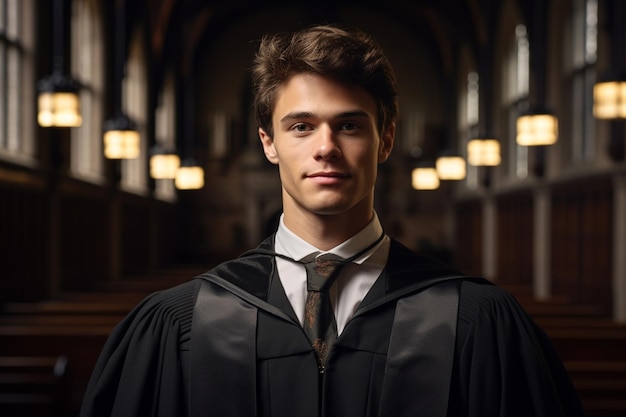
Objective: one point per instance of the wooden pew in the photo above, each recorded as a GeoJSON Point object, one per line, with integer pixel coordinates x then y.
{"type": "Point", "coordinates": [76, 326]}
{"type": "Point", "coordinates": [76, 330]}
{"type": "Point", "coordinates": [34, 386]}
{"type": "Point", "coordinates": [601, 385]}
{"type": "Point", "coordinates": [593, 348]}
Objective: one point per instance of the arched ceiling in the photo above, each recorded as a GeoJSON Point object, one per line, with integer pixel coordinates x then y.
{"type": "Point", "coordinates": [186, 32]}
{"type": "Point", "coordinates": [178, 28]}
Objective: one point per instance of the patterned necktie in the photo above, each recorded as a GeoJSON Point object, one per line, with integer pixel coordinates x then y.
{"type": "Point", "coordinates": [319, 319]}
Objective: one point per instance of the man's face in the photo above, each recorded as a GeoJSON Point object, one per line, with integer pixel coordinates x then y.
{"type": "Point", "coordinates": [327, 147]}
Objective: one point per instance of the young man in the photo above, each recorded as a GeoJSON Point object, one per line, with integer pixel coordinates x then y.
{"type": "Point", "coordinates": [402, 335]}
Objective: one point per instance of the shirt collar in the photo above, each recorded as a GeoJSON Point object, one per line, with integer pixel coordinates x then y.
{"type": "Point", "coordinates": [288, 243]}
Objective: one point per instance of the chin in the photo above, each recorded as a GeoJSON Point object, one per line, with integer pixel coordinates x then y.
{"type": "Point", "coordinates": [331, 209]}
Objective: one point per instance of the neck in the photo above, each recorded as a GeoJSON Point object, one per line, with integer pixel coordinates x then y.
{"type": "Point", "coordinates": [327, 230]}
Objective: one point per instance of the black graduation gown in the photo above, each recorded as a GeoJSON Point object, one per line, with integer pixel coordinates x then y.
{"type": "Point", "coordinates": [424, 342]}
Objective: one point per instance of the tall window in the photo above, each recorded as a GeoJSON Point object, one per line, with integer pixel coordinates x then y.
{"type": "Point", "coordinates": [166, 133]}
{"type": "Point", "coordinates": [468, 123]}
{"type": "Point", "coordinates": [87, 66]}
{"type": "Point", "coordinates": [584, 30]}
{"type": "Point", "coordinates": [515, 89]}
{"type": "Point", "coordinates": [16, 80]}
{"type": "Point", "coordinates": [135, 105]}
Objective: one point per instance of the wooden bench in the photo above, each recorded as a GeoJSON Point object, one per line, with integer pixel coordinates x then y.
{"type": "Point", "coordinates": [79, 338]}
{"type": "Point", "coordinates": [42, 319]}
{"type": "Point", "coordinates": [34, 386]}
{"type": "Point", "coordinates": [603, 343]}
{"type": "Point", "coordinates": [592, 346]}
{"type": "Point", "coordinates": [599, 380]}
{"type": "Point", "coordinates": [83, 307]}
{"type": "Point", "coordinates": [33, 335]}
{"type": "Point", "coordinates": [594, 354]}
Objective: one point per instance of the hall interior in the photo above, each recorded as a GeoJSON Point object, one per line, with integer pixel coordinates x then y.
{"type": "Point", "coordinates": [88, 227]}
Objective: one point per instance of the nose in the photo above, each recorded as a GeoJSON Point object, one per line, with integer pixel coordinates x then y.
{"type": "Point", "coordinates": [326, 144]}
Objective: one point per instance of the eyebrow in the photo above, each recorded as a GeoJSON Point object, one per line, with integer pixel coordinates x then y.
{"type": "Point", "coordinates": [296, 115]}
{"type": "Point", "coordinates": [305, 114]}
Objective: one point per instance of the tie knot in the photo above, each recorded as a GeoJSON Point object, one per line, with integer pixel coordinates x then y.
{"type": "Point", "coordinates": [321, 273]}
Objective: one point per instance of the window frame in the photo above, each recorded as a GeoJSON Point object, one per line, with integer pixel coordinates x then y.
{"type": "Point", "coordinates": [87, 159]}
{"type": "Point", "coordinates": [17, 82]}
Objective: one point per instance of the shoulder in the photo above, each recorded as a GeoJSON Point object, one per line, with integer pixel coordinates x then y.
{"type": "Point", "coordinates": [166, 307]}
{"type": "Point", "coordinates": [480, 295]}
{"type": "Point", "coordinates": [476, 293]}
{"type": "Point", "coordinates": [174, 298]}
{"type": "Point", "coordinates": [407, 269]}
{"type": "Point", "coordinates": [486, 307]}
{"type": "Point", "coordinates": [250, 272]}
{"type": "Point", "coordinates": [403, 260]}
{"type": "Point", "coordinates": [142, 354]}
{"type": "Point", "coordinates": [162, 319]}
{"type": "Point", "coordinates": [501, 351]}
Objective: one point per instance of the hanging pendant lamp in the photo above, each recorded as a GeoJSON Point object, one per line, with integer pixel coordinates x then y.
{"type": "Point", "coordinates": [58, 100]}
{"type": "Point", "coordinates": [121, 137]}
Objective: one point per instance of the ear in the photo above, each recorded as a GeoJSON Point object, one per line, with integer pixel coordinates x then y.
{"type": "Point", "coordinates": [268, 146]}
{"type": "Point", "coordinates": [386, 143]}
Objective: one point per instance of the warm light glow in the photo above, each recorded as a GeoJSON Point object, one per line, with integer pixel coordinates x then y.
{"type": "Point", "coordinates": [189, 178]}
{"type": "Point", "coordinates": [609, 100]}
{"type": "Point", "coordinates": [483, 152]}
{"type": "Point", "coordinates": [450, 168]}
{"type": "Point", "coordinates": [59, 109]}
{"type": "Point", "coordinates": [164, 166]}
{"type": "Point", "coordinates": [537, 130]}
{"type": "Point", "coordinates": [121, 144]}
{"type": "Point", "coordinates": [425, 179]}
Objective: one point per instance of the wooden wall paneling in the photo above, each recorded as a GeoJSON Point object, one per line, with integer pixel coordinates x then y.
{"type": "Point", "coordinates": [166, 230]}
{"type": "Point", "coordinates": [515, 239]}
{"type": "Point", "coordinates": [136, 237]}
{"type": "Point", "coordinates": [596, 239]}
{"type": "Point", "coordinates": [23, 237]}
{"type": "Point", "coordinates": [582, 242]}
{"type": "Point", "coordinates": [564, 243]}
{"type": "Point", "coordinates": [571, 243]}
{"type": "Point", "coordinates": [557, 251]}
{"type": "Point", "coordinates": [469, 237]}
{"type": "Point", "coordinates": [84, 241]}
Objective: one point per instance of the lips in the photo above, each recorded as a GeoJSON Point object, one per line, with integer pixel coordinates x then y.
{"type": "Point", "coordinates": [327, 177]}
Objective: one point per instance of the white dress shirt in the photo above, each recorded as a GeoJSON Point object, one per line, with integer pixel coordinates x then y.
{"type": "Point", "coordinates": [354, 280]}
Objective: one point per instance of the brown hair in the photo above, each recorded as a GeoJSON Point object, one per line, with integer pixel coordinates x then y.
{"type": "Point", "coordinates": [350, 57]}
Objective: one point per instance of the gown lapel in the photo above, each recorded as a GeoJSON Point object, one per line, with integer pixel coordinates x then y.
{"type": "Point", "coordinates": [238, 298]}
{"type": "Point", "coordinates": [222, 355]}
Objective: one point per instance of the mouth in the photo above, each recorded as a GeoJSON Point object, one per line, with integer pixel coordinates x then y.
{"type": "Point", "coordinates": [327, 177]}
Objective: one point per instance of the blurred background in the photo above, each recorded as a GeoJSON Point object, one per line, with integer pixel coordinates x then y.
{"type": "Point", "coordinates": [130, 162]}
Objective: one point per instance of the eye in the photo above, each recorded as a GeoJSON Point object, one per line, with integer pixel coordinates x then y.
{"type": "Point", "coordinates": [301, 127]}
{"type": "Point", "coordinates": [348, 126]}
